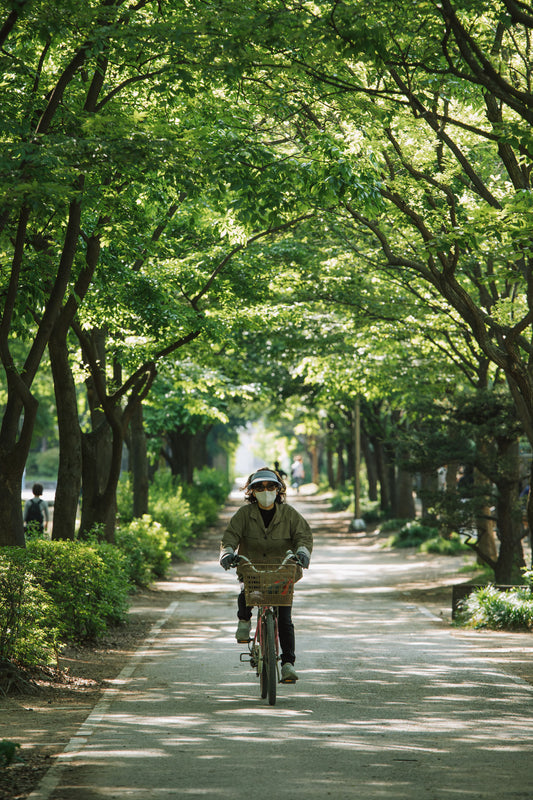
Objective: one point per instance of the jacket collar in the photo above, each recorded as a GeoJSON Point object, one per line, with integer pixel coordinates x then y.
{"type": "Point", "coordinates": [256, 513]}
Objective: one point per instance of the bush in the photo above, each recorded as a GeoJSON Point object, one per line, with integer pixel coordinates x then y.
{"type": "Point", "coordinates": [393, 524]}
{"type": "Point", "coordinates": [412, 534]}
{"type": "Point", "coordinates": [181, 512]}
{"type": "Point", "coordinates": [184, 511]}
{"type": "Point", "coordinates": [213, 483]}
{"type": "Point", "coordinates": [492, 608]}
{"type": "Point", "coordinates": [169, 507]}
{"type": "Point", "coordinates": [124, 499]}
{"type": "Point", "coordinates": [8, 752]}
{"type": "Point", "coordinates": [341, 500]}
{"type": "Point", "coordinates": [28, 634]}
{"type": "Point", "coordinates": [145, 543]}
{"type": "Point", "coordinates": [204, 508]}
{"type": "Point", "coordinates": [445, 546]}
{"type": "Point", "coordinates": [372, 515]}
{"type": "Point", "coordinates": [88, 584]}
{"type": "Point", "coordinates": [205, 496]}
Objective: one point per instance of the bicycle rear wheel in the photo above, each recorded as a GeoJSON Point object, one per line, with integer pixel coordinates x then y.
{"type": "Point", "coordinates": [269, 675]}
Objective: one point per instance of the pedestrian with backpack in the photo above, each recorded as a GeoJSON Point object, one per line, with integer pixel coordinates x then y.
{"type": "Point", "coordinates": [36, 512]}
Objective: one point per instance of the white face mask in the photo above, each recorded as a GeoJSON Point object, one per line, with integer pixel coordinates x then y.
{"type": "Point", "coordinates": [265, 499]}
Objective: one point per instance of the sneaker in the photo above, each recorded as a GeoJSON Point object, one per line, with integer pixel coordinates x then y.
{"type": "Point", "coordinates": [242, 634]}
{"type": "Point", "coordinates": [288, 673]}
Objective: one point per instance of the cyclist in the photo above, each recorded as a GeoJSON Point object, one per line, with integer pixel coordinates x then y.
{"type": "Point", "coordinates": [263, 531]}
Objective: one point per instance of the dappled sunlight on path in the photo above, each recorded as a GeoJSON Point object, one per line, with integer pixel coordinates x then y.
{"type": "Point", "coordinates": [390, 705]}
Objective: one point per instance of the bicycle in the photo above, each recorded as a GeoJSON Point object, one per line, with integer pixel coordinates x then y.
{"type": "Point", "coordinates": [267, 586]}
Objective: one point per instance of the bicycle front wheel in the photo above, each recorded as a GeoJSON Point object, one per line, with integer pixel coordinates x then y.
{"type": "Point", "coordinates": [269, 675]}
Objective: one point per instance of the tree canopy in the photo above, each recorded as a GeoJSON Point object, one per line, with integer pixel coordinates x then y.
{"type": "Point", "coordinates": [211, 209]}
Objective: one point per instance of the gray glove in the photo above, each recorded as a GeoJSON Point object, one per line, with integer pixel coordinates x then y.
{"type": "Point", "coordinates": [303, 557]}
{"type": "Point", "coordinates": [226, 559]}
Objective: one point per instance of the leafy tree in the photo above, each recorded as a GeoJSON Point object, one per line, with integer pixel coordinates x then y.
{"type": "Point", "coordinates": [86, 138]}
{"type": "Point", "coordinates": [419, 117]}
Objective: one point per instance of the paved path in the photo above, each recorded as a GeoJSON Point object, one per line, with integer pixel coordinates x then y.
{"type": "Point", "coordinates": [390, 705]}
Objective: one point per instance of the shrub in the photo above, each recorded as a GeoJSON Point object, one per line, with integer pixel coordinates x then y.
{"type": "Point", "coordinates": [445, 546]}
{"type": "Point", "coordinates": [372, 515]}
{"type": "Point", "coordinates": [124, 499]}
{"type": "Point", "coordinates": [184, 511]}
{"type": "Point", "coordinates": [169, 507]}
{"type": "Point", "coordinates": [204, 508]}
{"type": "Point", "coordinates": [393, 524]}
{"type": "Point", "coordinates": [489, 607]}
{"type": "Point", "coordinates": [28, 634]}
{"type": "Point", "coordinates": [205, 496]}
{"type": "Point", "coordinates": [213, 483]}
{"type": "Point", "coordinates": [8, 752]}
{"type": "Point", "coordinates": [412, 534]}
{"type": "Point", "coordinates": [341, 500]}
{"type": "Point", "coordinates": [145, 543]}
{"type": "Point", "coordinates": [88, 584]}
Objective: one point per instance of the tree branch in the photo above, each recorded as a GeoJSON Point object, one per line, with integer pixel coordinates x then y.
{"type": "Point", "coordinates": [220, 266]}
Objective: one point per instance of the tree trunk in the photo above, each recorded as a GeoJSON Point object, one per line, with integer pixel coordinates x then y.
{"type": "Point", "coordinates": [390, 477]}
{"type": "Point", "coordinates": [511, 560]}
{"type": "Point", "coordinates": [138, 462]}
{"type": "Point", "coordinates": [341, 469]}
{"type": "Point", "coordinates": [329, 468]}
{"type": "Point", "coordinates": [14, 450]}
{"type": "Point", "coordinates": [486, 536]}
{"type": "Point", "coordinates": [371, 467]}
{"type": "Point", "coordinates": [185, 452]}
{"type": "Point", "coordinates": [429, 487]}
{"type": "Point", "coordinates": [99, 506]}
{"type": "Point", "coordinates": [21, 407]}
{"type": "Point", "coordinates": [70, 457]}
{"type": "Point", "coordinates": [382, 472]}
{"type": "Point", "coordinates": [97, 450]}
{"type": "Point", "coordinates": [405, 504]}
{"type": "Point", "coordinates": [314, 456]}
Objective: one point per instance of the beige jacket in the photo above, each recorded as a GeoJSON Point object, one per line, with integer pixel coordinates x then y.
{"type": "Point", "coordinates": [246, 534]}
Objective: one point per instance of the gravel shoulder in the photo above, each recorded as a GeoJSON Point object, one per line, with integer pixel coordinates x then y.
{"type": "Point", "coordinates": [44, 719]}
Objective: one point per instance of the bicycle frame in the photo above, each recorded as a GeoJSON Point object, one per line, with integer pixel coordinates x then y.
{"type": "Point", "coordinates": [267, 589]}
{"type": "Point", "coordinates": [263, 652]}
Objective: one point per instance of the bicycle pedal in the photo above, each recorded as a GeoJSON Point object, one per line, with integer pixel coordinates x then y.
{"type": "Point", "coordinates": [243, 641]}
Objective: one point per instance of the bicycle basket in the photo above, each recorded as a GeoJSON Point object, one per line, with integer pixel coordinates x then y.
{"type": "Point", "coordinates": [268, 584]}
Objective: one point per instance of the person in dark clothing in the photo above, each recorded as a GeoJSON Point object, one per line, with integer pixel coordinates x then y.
{"type": "Point", "coordinates": [36, 511]}
{"type": "Point", "coordinates": [263, 531]}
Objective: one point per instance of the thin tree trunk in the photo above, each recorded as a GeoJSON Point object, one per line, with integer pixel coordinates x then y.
{"type": "Point", "coordinates": [486, 535]}
{"type": "Point", "coordinates": [511, 556]}
{"type": "Point", "coordinates": [382, 471]}
{"type": "Point", "coordinates": [70, 456]}
{"type": "Point", "coordinates": [341, 468]}
{"type": "Point", "coordinates": [405, 504]}
{"type": "Point", "coordinates": [139, 462]}
{"type": "Point", "coordinates": [371, 467]}
{"type": "Point", "coordinates": [429, 487]}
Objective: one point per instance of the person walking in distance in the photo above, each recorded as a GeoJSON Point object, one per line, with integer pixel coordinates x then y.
{"type": "Point", "coordinates": [263, 531]}
{"type": "Point", "coordinates": [297, 473]}
{"type": "Point", "coordinates": [36, 512]}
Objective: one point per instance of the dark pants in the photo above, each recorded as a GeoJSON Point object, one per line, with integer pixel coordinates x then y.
{"type": "Point", "coordinates": [285, 628]}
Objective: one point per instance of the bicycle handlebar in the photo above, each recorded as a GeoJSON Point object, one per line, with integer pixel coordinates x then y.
{"type": "Point", "coordinates": [290, 558]}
